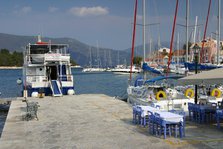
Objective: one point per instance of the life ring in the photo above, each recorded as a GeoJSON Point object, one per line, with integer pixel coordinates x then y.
{"type": "Point", "coordinates": [189, 93]}
{"type": "Point", "coordinates": [216, 93]}
{"type": "Point", "coordinates": [160, 93]}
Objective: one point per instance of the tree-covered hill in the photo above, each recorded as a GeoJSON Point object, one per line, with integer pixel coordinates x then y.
{"type": "Point", "coordinates": [10, 59]}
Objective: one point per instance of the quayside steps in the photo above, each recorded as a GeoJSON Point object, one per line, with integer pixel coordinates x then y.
{"type": "Point", "coordinates": [55, 87]}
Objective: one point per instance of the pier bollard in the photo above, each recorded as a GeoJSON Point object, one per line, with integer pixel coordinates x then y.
{"type": "Point", "coordinates": [25, 93]}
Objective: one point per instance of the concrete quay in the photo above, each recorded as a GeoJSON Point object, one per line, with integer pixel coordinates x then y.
{"type": "Point", "coordinates": [92, 121]}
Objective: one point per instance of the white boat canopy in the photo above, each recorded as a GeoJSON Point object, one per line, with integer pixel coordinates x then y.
{"type": "Point", "coordinates": [210, 77]}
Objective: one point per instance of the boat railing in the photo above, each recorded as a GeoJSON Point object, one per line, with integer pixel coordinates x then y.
{"type": "Point", "coordinates": [56, 57]}
{"type": "Point", "coordinates": [36, 78]}
{"type": "Point", "coordinates": [66, 77]}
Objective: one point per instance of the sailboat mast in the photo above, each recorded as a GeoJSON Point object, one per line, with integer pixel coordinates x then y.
{"type": "Point", "coordinates": [98, 55]}
{"type": "Point", "coordinates": [187, 25]}
{"type": "Point", "coordinates": [90, 58]}
{"type": "Point", "coordinates": [195, 29]}
{"type": "Point", "coordinates": [205, 30]}
{"type": "Point", "coordinates": [133, 38]}
{"type": "Point", "coordinates": [118, 57]}
{"type": "Point", "coordinates": [144, 30]}
{"type": "Point", "coordinates": [178, 48]}
{"type": "Point", "coordinates": [159, 46]}
{"type": "Point", "coordinates": [219, 31]}
{"type": "Point", "coordinates": [150, 48]}
{"type": "Point", "coordinates": [172, 37]}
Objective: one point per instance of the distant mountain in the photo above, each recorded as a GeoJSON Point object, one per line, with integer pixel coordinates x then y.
{"type": "Point", "coordinates": [79, 51]}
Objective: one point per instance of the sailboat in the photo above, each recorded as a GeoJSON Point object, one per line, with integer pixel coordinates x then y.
{"type": "Point", "coordinates": [156, 91]}
{"type": "Point", "coordinates": [124, 69]}
{"type": "Point", "coordinates": [209, 44]}
{"type": "Point", "coordinates": [94, 69]}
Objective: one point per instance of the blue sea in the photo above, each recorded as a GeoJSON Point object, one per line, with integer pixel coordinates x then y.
{"type": "Point", "coordinates": [85, 83]}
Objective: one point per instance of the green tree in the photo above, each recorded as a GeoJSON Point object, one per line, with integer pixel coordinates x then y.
{"type": "Point", "coordinates": [4, 51]}
{"type": "Point", "coordinates": [10, 59]}
{"type": "Point", "coordinates": [137, 60]}
{"type": "Point", "coordinates": [73, 63]}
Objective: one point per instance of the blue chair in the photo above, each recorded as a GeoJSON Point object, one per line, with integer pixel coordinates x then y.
{"type": "Point", "coordinates": [204, 116]}
{"type": "Point", "coordinates": [178, 127]}
{"type": "Point", "coordinates": [197, 114]}
{"type": "Point", "coordinates": [206, 113]}
{"type": "Point", "coordinates": [145, 120]}
{"type": "Point", "coordinates": [141, 120]}
{"type": "Point", "coordinates": [151, 123]}
{"type": "Point", "coordinates": [184, 122]}
{"type": "Point", "coordinates": [190, 110]}
{"type": "Point", "coordinates": [219, 115]}
{"type": "Point", "coordinates": [139, 113]}
{"type": "Point", "coordinates": [134, 114]}
{"type": "Point", "coordinates": [161, 126]}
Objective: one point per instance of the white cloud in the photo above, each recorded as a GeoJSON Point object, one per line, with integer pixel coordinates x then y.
{"type": "Point", "coordinates": [23, 10]}
{"type": "Point", "coordinates": [52, 9]}
{"type": "Point", "coordinates": [88, 11]}
{"type": "Point", "coordinates": [26, 9]}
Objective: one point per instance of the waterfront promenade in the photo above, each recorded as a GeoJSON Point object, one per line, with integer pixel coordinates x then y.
{"type": "Point", "coordinates": [92, 121]}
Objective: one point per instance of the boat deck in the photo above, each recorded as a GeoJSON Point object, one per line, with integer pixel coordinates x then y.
{"type": "Point", "coordinates": [92, 121]}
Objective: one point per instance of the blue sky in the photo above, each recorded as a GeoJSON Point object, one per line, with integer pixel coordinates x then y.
{"type": "Point", "coordinates": [107, 21]}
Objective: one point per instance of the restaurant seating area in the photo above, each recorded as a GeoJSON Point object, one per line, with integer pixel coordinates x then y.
{"type": "Point", "coordinates": [172, 123]}
{"type": "Point", "coordinates": [160, 123]}
{"type": "Point", "coordinates": [209, 113]}
{"type": "Point", "coordinates": [202, 113]}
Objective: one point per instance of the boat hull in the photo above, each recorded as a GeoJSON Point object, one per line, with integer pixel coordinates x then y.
{"type": "Point", "coordinates": [46, 90]}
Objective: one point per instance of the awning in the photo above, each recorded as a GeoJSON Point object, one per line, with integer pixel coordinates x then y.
{"type": "Point", "coordinates": [210, 77]}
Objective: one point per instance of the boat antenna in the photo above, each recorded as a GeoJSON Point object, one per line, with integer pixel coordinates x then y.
{"type": "Point", "coordinates": [172, 37]}
{"type": "Point", "coordinates": [187, 25]}
{"type": "Point", "coordinates": [205, 30]}
{"type": "Point", "coordinates": [219, 31]}
{"type": "Point", "coordinates": [50, 46]}
{"type": "Point", "coordinates": [39, 38]}
{"type": "Point", "coordinates": [133, 38]}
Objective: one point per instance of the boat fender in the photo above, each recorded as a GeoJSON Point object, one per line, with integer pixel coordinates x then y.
{"type": "Point", "coordinates": [34, 94]}
{"type": "Point", "coordinates": [19, 81]}
{"type": "Point", "coordinates": [160, 94]}
{"type": "Point", "coordinates": [70, 92]}
{"type": "Point", "coordinates": [189, 93]}
{"type": "Point", "coordinates": [216, 93]}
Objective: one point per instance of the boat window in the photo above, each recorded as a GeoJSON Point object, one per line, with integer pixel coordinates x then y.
{"type": "Point", "coordinates": [39, 51]}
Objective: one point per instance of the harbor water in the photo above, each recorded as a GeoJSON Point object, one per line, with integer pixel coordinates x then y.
{"type": "Point", "coordinates": [84, 83]}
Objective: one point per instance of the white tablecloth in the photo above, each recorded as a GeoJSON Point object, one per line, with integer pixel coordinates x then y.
{"type": "Point", "coordinates": [145, 110]}
{"type": "Point", "coordinates": [170, 117]}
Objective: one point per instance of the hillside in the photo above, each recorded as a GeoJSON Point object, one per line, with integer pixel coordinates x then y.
{"type": "Point", "coordinates": [80, 52]}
